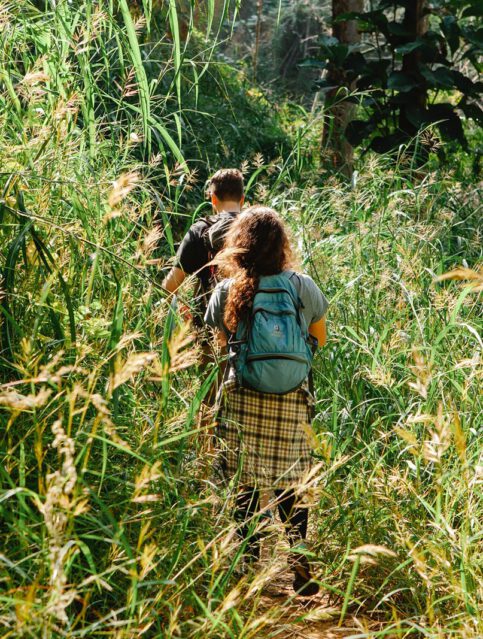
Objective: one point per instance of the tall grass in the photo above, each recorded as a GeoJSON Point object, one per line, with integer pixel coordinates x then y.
{"type": "Point", "coordinates": [399, 401]}
{"type": "Point", "coordinates": [112, 523]}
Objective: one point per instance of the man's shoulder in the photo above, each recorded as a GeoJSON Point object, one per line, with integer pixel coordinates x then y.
{"type": "Point", "coordinates": [192, 253]}
{"type": "Point", "coordinates": [195, 236]}
{"type": "Point", "coordinates": [199, 227]}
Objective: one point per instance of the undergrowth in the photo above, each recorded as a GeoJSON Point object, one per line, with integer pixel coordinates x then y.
{"type": "Point", "coordinates": [112, 522]}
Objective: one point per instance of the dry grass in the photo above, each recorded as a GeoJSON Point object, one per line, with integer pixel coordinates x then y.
{"type": "Point", "coordinates": [112, 525]}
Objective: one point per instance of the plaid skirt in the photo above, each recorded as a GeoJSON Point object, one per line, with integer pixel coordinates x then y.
{"type": "Point", "coordinates": [261, 437]}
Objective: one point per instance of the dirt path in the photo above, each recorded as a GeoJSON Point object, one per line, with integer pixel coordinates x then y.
{"type": "Point", "coordinates": [308, 618]}
{"type": "Point", "coordinates": [290, 617]}
{"type": "Point", "coordinates": [282, 614]}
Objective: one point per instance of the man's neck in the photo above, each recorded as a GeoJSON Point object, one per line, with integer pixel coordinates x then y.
{"type": "Point", "coordinates": [227, 206]}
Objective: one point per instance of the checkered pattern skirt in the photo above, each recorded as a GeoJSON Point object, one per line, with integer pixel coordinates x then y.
{"type": "Point", "coordinates": [261, 437]}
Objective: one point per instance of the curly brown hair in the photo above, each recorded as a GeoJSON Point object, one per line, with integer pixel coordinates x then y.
{"type": "Point", "coordinates": [257, 244]}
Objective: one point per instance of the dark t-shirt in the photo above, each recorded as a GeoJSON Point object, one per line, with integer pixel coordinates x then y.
{"type": "Point", "coordinates": [191, 257]}
{"type": "Point", "coordinates": [192, 254]}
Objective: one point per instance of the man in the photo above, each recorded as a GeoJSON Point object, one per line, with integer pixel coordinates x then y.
{"type": "Point", "coordinates": [198, 247]}
{"type": "Point", "coordinates": [204, 239]}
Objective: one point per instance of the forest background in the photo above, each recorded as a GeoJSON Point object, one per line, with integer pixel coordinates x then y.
{"type": "Point", "coordinates": [359, 123]}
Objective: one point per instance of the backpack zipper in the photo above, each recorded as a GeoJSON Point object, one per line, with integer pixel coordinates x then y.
{"type": "Point", "coordinates": [295, 358]}
{"type": "Point", "coordinates": [260, 309]}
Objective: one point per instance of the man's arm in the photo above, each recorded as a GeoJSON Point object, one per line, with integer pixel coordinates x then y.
{"type": "Point", "coordinates": [174, 279]}
{"type": "Point", "coordinates": [319, 331]}
{"type": "Point", "coordinates": [191, 256]}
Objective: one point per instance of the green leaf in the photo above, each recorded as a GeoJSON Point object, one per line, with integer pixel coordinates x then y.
{"type": "Point", "coordinates": [358, 130]}
{"type": "Point", "coordinates": [340, 53]}
{"type": "Point", "coordinates": [163, 132]}
{"type": "Point", "coordinates": [474, 36]}
{"type": "Point", "coordinates": [8, 282]}
{"type": "Point", "coordinates": [416, 115]}
{"type": "Point", "coordinates": [474, 9]}
{"type": "Point", "coordinates": [472, 111]}
{"type": "Point", "coordinates": [368, 21]}
{"type": "Point", "coordinates": [374, 75]}
{"type": "Point", "coordinates": [50, 264]}
{"type": "Point", "coordinates": [327, 41]}
{"type": "Point", "coordinates": [355, 63]}
{"type": "Point", "coordinates": [465, 85]}
{"type": "Point", "coordinates": [409, 47]}
{"type": "Point", "coordinates": [174, 27]}
{"type": "Point", "coordinates": [323, 85]}
{"type": "Point", "coordinates": [399, 30]}
{"type": "Point", "coordinates": [383, 144]}
{"type": "Point", "coordinates": [210, 16]}
{"type": "Point", "coordinates": [140, 72]}
{"type": "Point", "coordinates": [473, 55]}
{"type": "Point", "coordinates": [335, 52]}
{"type": "Point", "coordinates": [118, 317]}
{"type": "Point", "coordinates": [348, 15]}
{"type": "Point", "coordinates": [448, 121]}
{"type": "Point", "coordinates": [440, 78]}
{"type": "Point", "coordinates": [399, 81]}
{"type": "Point", "coordinates": [390, 4]}
{"type": "Point", "coordinates": [451, 30]}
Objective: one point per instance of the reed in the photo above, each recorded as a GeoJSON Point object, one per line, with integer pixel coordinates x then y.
{"type": "Point", "coordinates": [112, 524]}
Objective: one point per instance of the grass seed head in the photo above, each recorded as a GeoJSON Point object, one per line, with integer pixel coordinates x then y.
{"type": "Point", "coordinates": [434, 449]}
{"type": "Point", "coordinates": [421, 369]}
{"type": "Point", "coordinates": [369, 553]}
{"type": "Point", "coordinates": [121, 188]}
{"type": "Point", "coordinates": [135, 363]}
{"type": "Point", "coordinates": [57, 510]}
{"type": "Point", "coordinates": [18, 402]}
{"type": "Point", "coordinates": [473, 278]}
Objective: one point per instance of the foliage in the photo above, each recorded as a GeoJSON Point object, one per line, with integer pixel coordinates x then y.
{"type": "Point", "coordinates": [112, 523]}
{"type": "Point", "coordinates": [288, 32]}
{"type": "Point", "coordinates": [409, 80]}
{"type": "Point", "coordinates": [398, 402]}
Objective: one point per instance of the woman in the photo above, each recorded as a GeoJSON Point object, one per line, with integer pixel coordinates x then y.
{"type": "Point", "coordinates": [265, 444]}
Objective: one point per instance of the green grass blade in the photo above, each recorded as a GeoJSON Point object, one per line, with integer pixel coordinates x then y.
{"type": "Point", "coordinates": [174, 27]}
{"type": "Point", "coordinates": [47, 257]}
{"type": "Point", "coordinates": [140, 72]}
{"type": "Point", "coordinates": [117, 317]}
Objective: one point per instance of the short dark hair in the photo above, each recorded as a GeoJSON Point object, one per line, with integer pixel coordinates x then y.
{"type": "Point", "coordinates": [226, 184]}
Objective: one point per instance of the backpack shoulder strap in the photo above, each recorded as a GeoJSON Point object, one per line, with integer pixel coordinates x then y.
{"type": "Point", "coordinates": [216, 228]}
{"type": "Point", "coordinates": [217, 232]}
{"type": "Point", "coordinates": [296, 280]}
{"type": "Point", "coordinates": [207, 221]}
{"type": "Point", "coordinates": [296, 285]}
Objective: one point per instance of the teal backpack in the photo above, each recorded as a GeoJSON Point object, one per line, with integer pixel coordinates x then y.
{"type": "Point", "coordinates": [271, 350]}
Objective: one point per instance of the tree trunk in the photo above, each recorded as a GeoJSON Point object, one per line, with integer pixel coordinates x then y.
{"type": "Point", "coordinates": [341, 112]}
{"type": "Point", "coordinates": [258, 31]}
{"type": "Point", "coordinates": [416, 22]}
